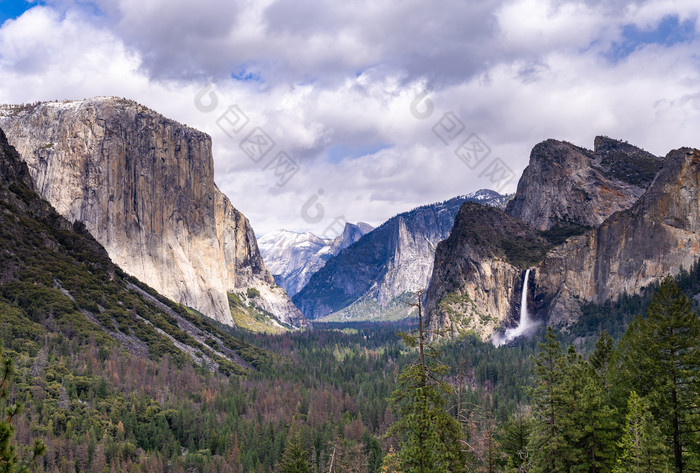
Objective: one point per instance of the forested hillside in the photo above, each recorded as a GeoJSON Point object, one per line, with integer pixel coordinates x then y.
{"type": "Point", "coordinates": [112, 377]}
{"type": "Point", "coordinates": [331, 387]}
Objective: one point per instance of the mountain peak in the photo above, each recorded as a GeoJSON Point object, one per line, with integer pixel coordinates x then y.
{"type": "Point", "coordinates": [144, 187]}
{"type": "Point", "coordinates": [604, 145]}
{"type": "Point", "coordinates": [294, 257]}
{"type": "Point", "coordinates": [564, 183]}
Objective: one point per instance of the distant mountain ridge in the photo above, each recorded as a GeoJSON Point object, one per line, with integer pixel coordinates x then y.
{"type": "Point", "coordinates": [371, 279]}
{"type": "Point", "coordinates": [293, 257]}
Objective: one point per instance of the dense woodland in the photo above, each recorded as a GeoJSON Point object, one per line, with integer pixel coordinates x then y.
{"type": "Point", "coordinates": [333, 398]}
{"type": "Point", "coordinates": [329, 399]}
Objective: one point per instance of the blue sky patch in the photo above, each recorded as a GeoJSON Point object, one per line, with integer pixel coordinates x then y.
{"type": "Point", "coordinates": [340, 152]}
{"type": "Point", "coordinates": [670, 31]}
{"type": "Point", "coordinates": [11, 9]}
{"type": "Point", "coordinates": [244, 75]}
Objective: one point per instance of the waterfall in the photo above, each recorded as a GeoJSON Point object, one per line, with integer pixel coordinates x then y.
{"type": "Point", "coordinates": [524, 324]}
{"type": "Point", "coordinates": [524, 315]}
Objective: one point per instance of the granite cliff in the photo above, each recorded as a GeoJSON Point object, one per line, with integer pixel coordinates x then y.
{"type": "Point", "coordinates": [657, 236]}
{"type": "Point", "coordinates": [601, 223]}
{"type": "Point", "coordinates": [373, 278]}
{"type": "Point", "coordinates": [477, 278]}
{"type": "Point", "coordinates": [58, 283]}
{"type": "Point", "coordinates": [143, 185]}
{"type": "Point", "coordinates": [566, 184]}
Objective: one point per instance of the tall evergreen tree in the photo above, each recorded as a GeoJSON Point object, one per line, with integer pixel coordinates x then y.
{"type": "Point", "coordinates": [643, 450]}
{"type": "Point", "coordinates": [513, 439]}
{"type": "Point", "coordinates": [430, 435]}
{"type": "Point", "coordinates": [659, 358]}
{"type": "Point", "coordinates": [600, 358]}
{"type": "Point", "coordinates": [8, 456]}
{"type": "Point", "coordinates": [295, 456]}
{"type": "Point", "coordinates": [547, 441]}
{"type": "Point", "coordinates": [591, 428]}
{"type": "Point", "coordinates": [373, 451]}
{"type": "Point", "coordinates": [573, 427]}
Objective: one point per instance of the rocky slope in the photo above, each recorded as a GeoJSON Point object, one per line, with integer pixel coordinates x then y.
{"type": "Point", "coordinates": [57, 283]}
{"type": "Point", "coordinates": [632, 248]}
{"type": "Point", "coordinates": [372, 278]}
{"type": "Point", "coordinates": [643, 215]}
{"type": "Point", "coordinates": [566, 184]}
{"type": "Point", "coordinates": [477, 281]}
{"type": "Point", "coordinates": [143, 185]}
{"type": "Point", "coordinates": [293, 257]}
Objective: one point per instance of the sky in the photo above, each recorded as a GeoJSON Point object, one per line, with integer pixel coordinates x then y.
{"type": "Point", "coordinates": [322, 111]}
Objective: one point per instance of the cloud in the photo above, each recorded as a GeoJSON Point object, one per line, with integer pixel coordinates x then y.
{"type": "Point", "coordinates": [332, 85]}
{"type": "Point", "coordinates": [537, 26]}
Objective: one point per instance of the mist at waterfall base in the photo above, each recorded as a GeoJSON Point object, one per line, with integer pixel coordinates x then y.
{"type": "Point", "coordinates": [525, 324]}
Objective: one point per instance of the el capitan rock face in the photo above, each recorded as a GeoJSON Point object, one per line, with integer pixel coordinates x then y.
{"type": "Point", "coordinates": [144, 187]}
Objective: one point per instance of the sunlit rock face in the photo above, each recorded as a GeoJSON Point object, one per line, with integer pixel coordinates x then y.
{"type": "Point", "coordinates": [144, 187]}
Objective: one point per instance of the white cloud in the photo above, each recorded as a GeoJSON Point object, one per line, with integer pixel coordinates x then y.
{"type": "Point", "coordinates": [647, 15]}
{"type": "Point", "coordinates": [534, 26]}
{"type": "Point", "coordinates": [340, 78]}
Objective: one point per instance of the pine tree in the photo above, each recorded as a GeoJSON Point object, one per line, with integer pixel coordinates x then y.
{"type": "Point", "coordinates": [390, 464]}
{"type": "Point", "coordinates": [8, 456]}
{"type": "Point", "coordinates": [547, 441]}
{"type": "Point", "coordinates": [430, 435]}
{"type": "Point", "coordinates": [9, 459]}
{"type": "Point", "coordinates": [600, 358]}
{"type": "Point", "coordinates": [659, 358]}
{"type": "Point", "coordinates": [295, 456]}
{"type": "Point", "coordinates": [592, 429]}
{"type": "Point", "coordinates": [513, 438]}
{"type": "Point", "coordinates": [373, 451]}
{"type": "Point", "coordinates": [573, 428]}
{"type": "Point", "coordinates": [643, 450]}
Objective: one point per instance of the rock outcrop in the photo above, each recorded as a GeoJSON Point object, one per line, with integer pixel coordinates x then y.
{"type": "Point", "coordinates": [144, 187]}
{"type": "Point", "coordinates": [372, 278]}
{"type": "Point", "coordinates": [351, 233]}
{"type": "Point", "coordinates": [567, 184]}
{"type": "Point", "coordinates": [476, 285]}
{"type": "Point", "coordinates": [596, 225]}
{"type": "Point", "coordinates": [56, 280]}
{"type": "Point", "coordinates": [293, 257]}
{"type": "Point", "coordinates": [632, 248]}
